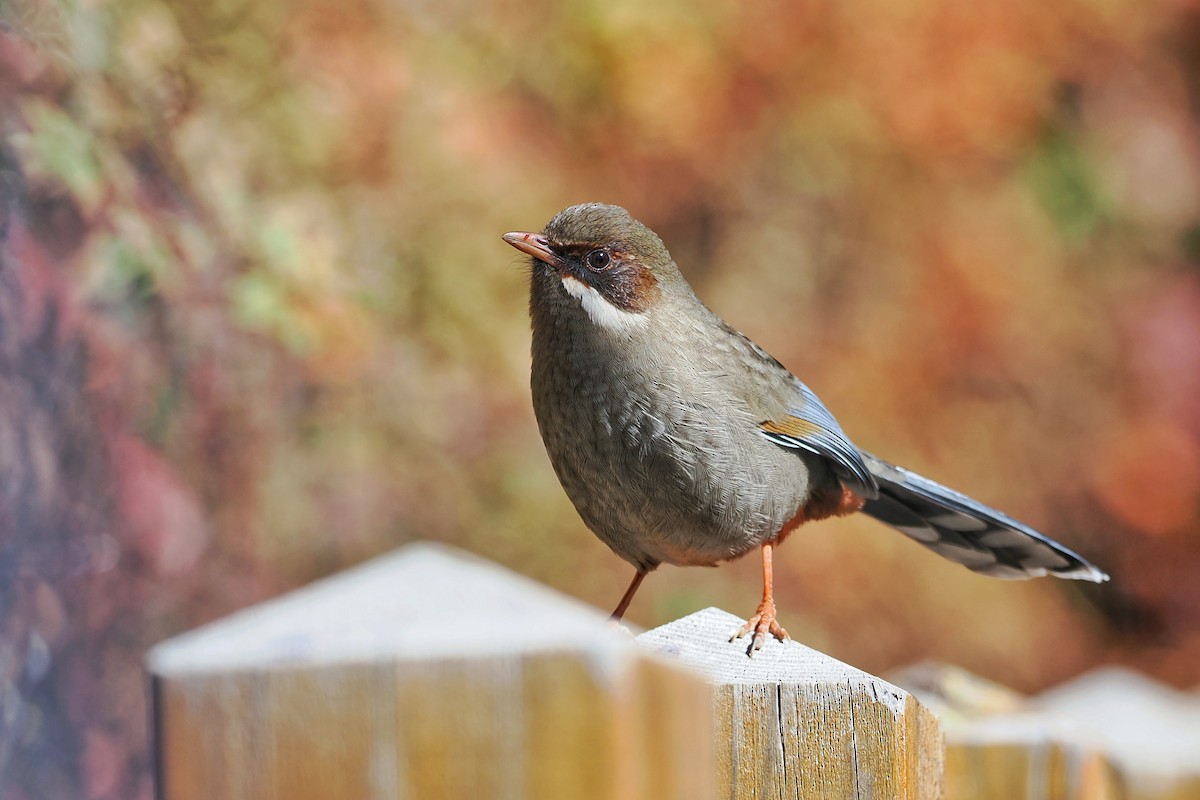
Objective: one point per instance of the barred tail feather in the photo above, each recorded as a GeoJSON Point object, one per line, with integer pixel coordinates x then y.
{"type": "Point", "coordinates": [967, 532]}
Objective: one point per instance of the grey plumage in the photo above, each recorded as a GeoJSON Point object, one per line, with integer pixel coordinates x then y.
{"type": "Point", "coordinates": [646, 428]}
{"type": "Point", "coordinates": [681, 441]}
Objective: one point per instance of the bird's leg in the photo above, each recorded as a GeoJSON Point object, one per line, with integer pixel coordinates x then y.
{"type": "Point", "coordinates": [764, 621]}
{"type": "Point", "coordinates": [628, 597]}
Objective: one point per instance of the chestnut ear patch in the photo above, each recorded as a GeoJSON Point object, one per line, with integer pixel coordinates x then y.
{"type": "Point", "coordinates": [645, 287]}
{"type": "Point", "coordinates": [615, 273]}
{"type": "Point", "coordinates": [626, 283]}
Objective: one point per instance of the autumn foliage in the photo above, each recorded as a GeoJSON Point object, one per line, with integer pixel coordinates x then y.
{"type": "Point", "coordinates": [257, 324]}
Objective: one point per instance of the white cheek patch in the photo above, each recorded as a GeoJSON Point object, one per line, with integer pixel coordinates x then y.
{"type": "Point", "coordinates": [600, 311]}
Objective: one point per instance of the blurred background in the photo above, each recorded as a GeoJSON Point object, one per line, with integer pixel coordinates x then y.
{"type": "Point", "coordinates": [257, 323]}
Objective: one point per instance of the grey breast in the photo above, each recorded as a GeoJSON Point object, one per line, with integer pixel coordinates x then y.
{"type": "Point", "coordinates": [656, 443]}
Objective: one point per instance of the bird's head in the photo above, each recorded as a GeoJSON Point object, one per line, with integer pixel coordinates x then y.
{"type": "Point", "coordinates": [615, 267]}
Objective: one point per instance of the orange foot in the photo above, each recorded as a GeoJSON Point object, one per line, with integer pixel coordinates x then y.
{"type": "Point", "coordinates": [762, 623]}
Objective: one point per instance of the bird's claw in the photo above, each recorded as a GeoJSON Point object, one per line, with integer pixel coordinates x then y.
{"type": "Point", "coordinates": [762, 623]}
{"type": "Point", "coordinates": [615, 625]}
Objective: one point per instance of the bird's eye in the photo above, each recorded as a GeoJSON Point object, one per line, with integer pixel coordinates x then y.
{"type": "Point", "coordinates": [599, 259]}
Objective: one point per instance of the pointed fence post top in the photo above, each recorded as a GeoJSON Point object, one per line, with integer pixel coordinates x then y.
{"type": "Point", "coordinates": [794, 722]}
{"type": "Point", "coordinates": [424, 601]}
{"type": "Point", "coordinates": [426, 673]}
{"type": "Point", "coordinates": [699, 641]}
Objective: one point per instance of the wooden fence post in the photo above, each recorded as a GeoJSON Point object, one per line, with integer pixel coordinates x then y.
{"type": "Point", "coordinates": [425, 674]}
{"type": "Point", "coordinates": [1148, 732]}
{"type": "Point", "coordinates": [793, 722]}
{"type": "Point", "coordinates": [1025, 758]}
{"type": "Point", "coordinates": [999, 747]}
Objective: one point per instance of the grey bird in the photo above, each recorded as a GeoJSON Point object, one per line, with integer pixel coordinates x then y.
{"type": "Point", "coordinates": [680, 441]}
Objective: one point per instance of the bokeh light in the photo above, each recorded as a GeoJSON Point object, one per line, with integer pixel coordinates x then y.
{"type": "Point", "coordinates": [257, 324]}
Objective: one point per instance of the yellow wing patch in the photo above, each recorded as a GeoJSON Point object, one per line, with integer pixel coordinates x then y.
{"type": "Point", "coordinates": [793, 426]}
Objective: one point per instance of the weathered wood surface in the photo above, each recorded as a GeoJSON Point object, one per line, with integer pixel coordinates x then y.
{"type": "Point", "coordinates": [1149, 731]}
{"type": "Point", "coordinates": [1026, 757]}
{"type": "Point", "coordinates": [1107, 735]}
{"type": "Point", "coordinates": [794, 723]}
{"type": "Point", "coordinates": [997, 750]}
{"type": "Point", "coordinates": [425, 674]}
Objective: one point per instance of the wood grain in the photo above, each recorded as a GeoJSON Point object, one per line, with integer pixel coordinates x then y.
{"type": "Point", "coordinates": [426, 674]}
{"type": "Point", "coordinates": [792, 722]}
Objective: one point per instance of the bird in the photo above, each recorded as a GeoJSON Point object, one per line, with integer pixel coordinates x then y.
{"type": "Point", "coordinates": [680, 441]}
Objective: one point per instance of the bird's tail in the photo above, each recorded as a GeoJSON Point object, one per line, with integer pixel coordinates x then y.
{"type": "Point", "coordinates": [967, 532]}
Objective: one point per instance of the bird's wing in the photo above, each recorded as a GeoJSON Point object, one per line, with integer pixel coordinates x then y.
{"type": "Point", "coordinates": [808, 425]}
{"type": "Point", "coordinates": [967, 532]}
